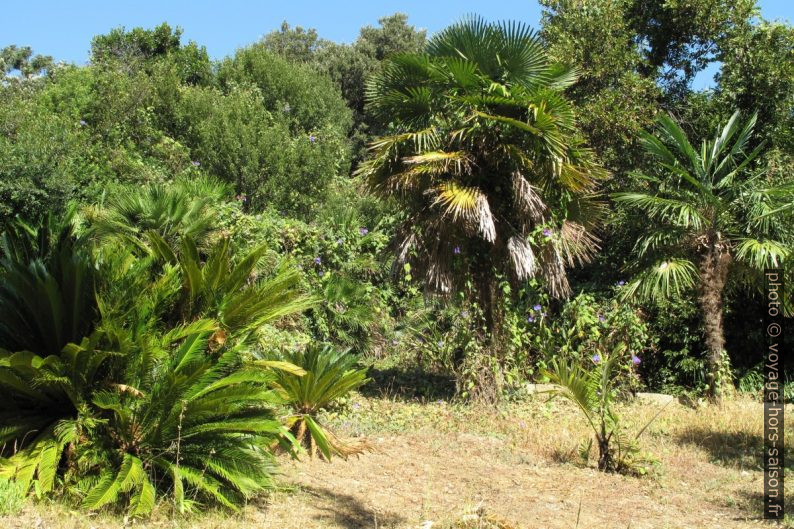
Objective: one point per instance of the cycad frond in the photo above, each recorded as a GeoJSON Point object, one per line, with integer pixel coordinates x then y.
{"type": "Point", "coordinates": [328, 376]}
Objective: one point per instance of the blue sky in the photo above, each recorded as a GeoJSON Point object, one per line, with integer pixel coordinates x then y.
{"type": "Point", "coordinates": [64, 29]}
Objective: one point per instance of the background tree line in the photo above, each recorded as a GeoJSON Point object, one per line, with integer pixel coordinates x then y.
{"type": "Point", "coordinates": [285, 122]}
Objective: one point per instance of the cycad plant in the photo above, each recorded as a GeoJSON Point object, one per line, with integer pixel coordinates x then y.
{"type": "Point", "coordinates": [326, 375]}
{"type": "Point", "coordinates": [712, 218]}
{"type": "Point", "coordinates": [485, 157]}
{"type": "Point", "coordinates": [594, 392]}
{"type": "Point", "coordinates": [184, 208]}
{"type": "Point", "coordinates": [40, 397]}
{"type": "Point", "coordinates": [47, 281]}
{"type": "Point", "coordinates": [192, 424]}
{"type": "Point", "coordinates": [175, 419]}
{"type": "Point", "coordinates": [232, 290]}
{"type": "Point", "coordinates": [157, 400]}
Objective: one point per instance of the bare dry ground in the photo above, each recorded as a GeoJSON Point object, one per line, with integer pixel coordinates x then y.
{"type": "Point", "coordinates": [443, 466]}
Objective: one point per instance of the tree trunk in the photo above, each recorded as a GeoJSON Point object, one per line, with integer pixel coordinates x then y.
{"type": "Point", "coordinates": [713, 274]}
{"type": "Point", "coordinates": [487, 370]}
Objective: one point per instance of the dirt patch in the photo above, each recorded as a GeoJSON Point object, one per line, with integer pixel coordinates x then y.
{"type": "Point", "coordinates": [412, 479]}
{"type": "Point", "coordinates": [432, 463]}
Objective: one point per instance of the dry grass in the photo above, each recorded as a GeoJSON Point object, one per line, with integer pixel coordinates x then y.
{"type": "Point", "coordinates": [517, 466]}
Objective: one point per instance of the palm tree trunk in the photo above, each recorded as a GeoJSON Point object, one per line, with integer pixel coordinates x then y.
{"type": "Point", "coordinates": [713, 275]}
{"type": "Point", "coordinates": [489, 378]}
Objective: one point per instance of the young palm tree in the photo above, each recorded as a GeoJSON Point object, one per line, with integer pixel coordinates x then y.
{"type": "Point", "coordinates": [594, 392]}
{"type": "Point", "coordinates": [712, 218]}
{"type": "Point", "coordinates": [485, 157]}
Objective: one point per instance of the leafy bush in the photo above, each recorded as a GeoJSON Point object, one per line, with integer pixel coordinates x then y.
{"type": "Point", "coordinates": [234, 135]}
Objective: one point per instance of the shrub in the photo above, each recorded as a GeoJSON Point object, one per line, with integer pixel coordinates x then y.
{"type": "Point", "coordinates": [256, 150]}
{"type": "Point", "coordinates": [325, 376]}
{"type": "Point", "coordinates": [594, 392]}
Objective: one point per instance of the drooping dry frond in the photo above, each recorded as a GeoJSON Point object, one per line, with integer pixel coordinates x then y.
{"type": "Point", "coordinates": [407, 244]}
{"type": "Point", "coordinates": [554, 271]}
{"type": "Point", "coordinates": [577, 244]}
{"type": "Point", "coordinates": [438, 275]}
{"type": "Point", "coordinates": [527, 198]}
{"type": "Point", "coordinates": [522, 257]}
{"type": "Point", "coordinates": [485, 219]}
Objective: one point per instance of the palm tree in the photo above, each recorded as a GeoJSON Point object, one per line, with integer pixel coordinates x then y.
{"type": "Point", "coordinates": [712, 217]}
{"type": "Point", "coordinates": [485, 158]}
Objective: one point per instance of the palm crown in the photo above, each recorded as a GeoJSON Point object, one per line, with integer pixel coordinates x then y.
{"type": "Point", "coordinates": [485, 157]}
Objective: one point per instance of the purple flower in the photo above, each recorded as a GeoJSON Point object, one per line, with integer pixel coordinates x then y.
{"type": "Point", "coordinates": [318, 260]}
{"type": "Point", "coordinates": [312, 138]}
{"type": "Point", "coordinates": [621, 283]}
{"type": "Point", "coordinates": [537, 307]}
{"type": "Point", "coordinates": [456, 250]}
{"type": "Point", "coordinates": [547, 232]}
{"type": "Point", "coordinates": [596, 358]}
{"type": "Point", "coordinates": [321, 273]}
{"type": "Point", "coordinates": [363, 231]}
{"type": "Point", "coordinates": [82, 123]}
{"type": "Point", "coordinates": [339, 241]}
{"type": "Point", "coordinates": [531, 319]}
{"type": "Point", "coordinates": [601, 317]}
{"type": "Point", "coordinates": [440, 343]}
{"type": "Point", "coordinates": [635, 360]}
{"type": "Point", "coordinates": [195, 163]}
